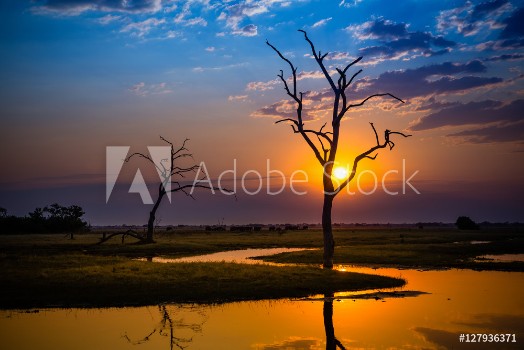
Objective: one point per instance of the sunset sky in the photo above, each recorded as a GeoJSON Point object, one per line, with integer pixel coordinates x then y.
{"type": "Point", "coordinates": [78, 76]}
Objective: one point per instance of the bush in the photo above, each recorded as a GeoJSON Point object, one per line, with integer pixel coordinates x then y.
{"type": "Point", "coordinates": [465, 223]}
{"type": "Point", "coordinates": [51, 219]}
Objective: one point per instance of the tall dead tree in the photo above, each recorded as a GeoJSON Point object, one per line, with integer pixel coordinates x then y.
{"type": "Point", "coordinates": [326, 148]}
{"type": "Point", "coordinates": [169, 171]}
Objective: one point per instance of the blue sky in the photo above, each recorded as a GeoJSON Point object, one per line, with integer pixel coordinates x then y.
{"type": "Point", "coordinates": [77, 76]}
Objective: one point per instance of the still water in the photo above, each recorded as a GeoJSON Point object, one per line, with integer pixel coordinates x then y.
{"type": "Point", "coordinates": [460, 301]}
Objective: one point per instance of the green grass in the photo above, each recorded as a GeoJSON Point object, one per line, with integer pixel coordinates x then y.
{"type": "Point", "coordinates": [76, 280]}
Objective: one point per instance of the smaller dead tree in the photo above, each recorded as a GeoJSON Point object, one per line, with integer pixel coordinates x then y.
{"type": "Point", "coordinates": [168, 170]}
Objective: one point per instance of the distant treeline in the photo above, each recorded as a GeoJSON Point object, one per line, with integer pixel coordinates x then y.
{"type": "Point", "coordinates": [50, 219]}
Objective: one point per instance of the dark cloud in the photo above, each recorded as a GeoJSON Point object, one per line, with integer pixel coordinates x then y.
{"type": "Point", "coordinates": [514, 25]}
{"type": "Point", "coordinates": [428, 80]}
{"type": "Point", "coordinates": [492, 134]}
{"type": "Point", "coordinates": [396, 41]}
{"type": "Point", "coordinates": [248, 30]}
{"type": "Point", "coordinates": [512, 36]}
{"type": "Point", "coordinates": [384, 29]}
{"type": "Point", "coordinates": [417, 42]}
{"type": "Point", "coordinates": [432, 104]}
{"type": "Point", "coordinates": [470, 19]}
{"type": "Point", "coordinates": [482, 112]}
{"type": "Point", "coordinates": [506, 57]}
{"type": "Point", "coordinates": [485, 9]}
{"type": "Point", "coordinates": [79, 6]}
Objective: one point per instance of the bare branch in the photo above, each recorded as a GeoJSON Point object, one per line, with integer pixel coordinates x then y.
{"type": "Point", "coordinates": [287, 120]}
{"type": "Point", "coordinates": [298, 99]}
{"type": "Point", "coordinates": [352, 63]}
{"type": "Point", "coordinates": [352, 78]}
{"type": "Point", "coordinates": [375, 131]}
{"type": "Point", "coordinates": [387, 142]}
{"type": "Point", "coordinates": [372, 96]}
{"type": "Point", "coordinates": [319, 60]}
{"type": "Point", "coordinates": [293, 69]}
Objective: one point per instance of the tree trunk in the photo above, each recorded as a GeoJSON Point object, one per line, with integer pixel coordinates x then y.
{"type": "Point", "coordinates": [327, 230]}
{"type": "Point", "coordinates": [152, 217]}
{"type": "Point", "coordinates": [151, 226]}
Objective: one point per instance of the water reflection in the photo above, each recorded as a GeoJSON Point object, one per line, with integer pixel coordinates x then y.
{"type": "Point", "coordinates": [332, 343]}
{"type": "Point", "coordinates": [241, 256]}
{"type": "Point", "coordinates": [460, 301]}
{"type": "Point", "coordinates": [178, 330]}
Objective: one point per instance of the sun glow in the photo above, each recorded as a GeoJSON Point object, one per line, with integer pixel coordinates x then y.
{"type": "Point", "coordinates": [340, 173]}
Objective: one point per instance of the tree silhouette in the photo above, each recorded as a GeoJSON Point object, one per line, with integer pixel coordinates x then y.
{"type": "Point", "coordinates": [326, 148]}
{"type": "Point", "coordinates": [168, 172]}
{"type": "Point", "coordinates": [465, 223]}
{"type": "Point", "coordinates": [332, 343]}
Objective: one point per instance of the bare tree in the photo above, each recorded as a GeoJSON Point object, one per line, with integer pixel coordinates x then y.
{"type": "Point", "coordinates": [326, 148]}
{"type": "Point", "coordinates": [168, 170]}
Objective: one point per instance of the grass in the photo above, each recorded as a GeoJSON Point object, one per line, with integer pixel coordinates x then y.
{"type": "Point", "coordinates": [51, 270]}
{"type": "Point", "coordinates": [80, 280]}
{"type": "Point", "coordinates": [434, 250]}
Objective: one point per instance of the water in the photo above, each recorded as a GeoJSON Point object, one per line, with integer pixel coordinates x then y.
{"type": "Point", "coordinates": [460, 301]}
{"type": "Point", "coordinates": [238, 256]}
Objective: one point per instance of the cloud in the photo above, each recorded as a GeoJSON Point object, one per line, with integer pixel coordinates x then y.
{"type": "Point", "coordinates": [210, 49]}
{"type": "Point", "coordinates": [470, 19]}
{"type": "Point", "coordinates": [316, 105]}
{"type": "Point", "coordinates": [109, 19]}
{"type": "Point", "coordinates": [278, 110]}
{"type": "Point", "coordinates": [349, 3]}
{"type": "Point", "coordinates": [240, 98]}
{"type": "Point", "coordinates": [270, 85]}
{"type": "Point", "coordinates": [514, 27]}
{"type": "Point", "coordinates": [77, 7]}
{"type": "Point", "coordinates": [397, 42]}
{"type": "Point", "coordinates": [184, 17]}
{"type": "Point", "coordinates": [492, 134]}
{"type": "Point", "coordinates": [219, 68]}
{"type": "Point", "coordinates": [141, 29]}
{"type": "Point", "coordinates": [379, 29]}
{"type": "Point", "coordinates": [427, 80]}
{"type": "Point", "coordinates": [262, 85]}
{"type": "Point", "coordinates": [248, 30]}
{"type": "Point", "coordinates": [234, 15]}
{"type": "Point", "coordinates": [322, 22]}
{"type": "Point", "coordinates": [505, 57]}
{"type": "Point", "coordinates": [471, 113]}
{"type": "Point", "coordinates": [143, 89]}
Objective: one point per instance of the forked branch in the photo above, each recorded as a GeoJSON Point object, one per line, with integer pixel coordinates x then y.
{"type": "Point", "coordinates": [367, 154]}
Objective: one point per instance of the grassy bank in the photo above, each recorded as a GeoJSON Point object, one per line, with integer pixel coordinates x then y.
{"type": "Point", "coordinates": [52, 270]}
{"type": "Point", "coordinates": [378, 246]}
{"type": "Point", "coordinates": [80, 280]}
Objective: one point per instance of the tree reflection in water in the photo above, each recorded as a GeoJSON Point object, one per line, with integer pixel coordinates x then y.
{"type": "Point", "coordinates": [332, 343]}
{"type": "Point", "coordinates": [176, 329]}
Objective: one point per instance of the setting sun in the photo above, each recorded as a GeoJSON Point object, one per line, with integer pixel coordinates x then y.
{"type": "Point", "coordinates": [340, 173]}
